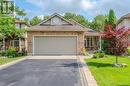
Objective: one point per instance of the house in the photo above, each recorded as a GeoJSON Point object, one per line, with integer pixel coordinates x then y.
{"type": "Point", "coordinates": [124, 21]}
{"type": "Point", "coordinates": [58, 36]}
{"type": "Point", "coordinates": [21, 43]}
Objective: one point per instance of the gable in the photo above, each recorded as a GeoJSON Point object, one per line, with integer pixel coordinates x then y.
{"type": "Point", "coordinates": [55, 20]}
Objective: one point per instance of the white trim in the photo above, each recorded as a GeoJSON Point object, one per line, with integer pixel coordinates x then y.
{"type": "Point", "coordinates": [77, 43]}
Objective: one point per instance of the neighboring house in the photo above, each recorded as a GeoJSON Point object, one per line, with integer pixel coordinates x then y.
{"type": "Point", "coordinates": [21, 43]}
{"type": "Point", "coordinates": [58, 36]}
{"type": "Point", "coordinates": [124, 21]}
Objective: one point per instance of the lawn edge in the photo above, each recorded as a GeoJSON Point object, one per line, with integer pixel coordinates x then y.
{"type": "Point", "coordinates": [87, 73]}
{"type": "Point", "coordinates": [6, 65]}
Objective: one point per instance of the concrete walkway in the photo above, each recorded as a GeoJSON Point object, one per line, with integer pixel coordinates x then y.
{"type": "Point", "coordinates": [86, 72]}
{"type": "Point", "coordinates": [52, 57]}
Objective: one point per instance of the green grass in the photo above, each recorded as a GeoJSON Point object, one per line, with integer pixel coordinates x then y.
{"type": "Point", "coordinates": [106, 75]}
{"type": "Point", "coordinates": [7, 60]}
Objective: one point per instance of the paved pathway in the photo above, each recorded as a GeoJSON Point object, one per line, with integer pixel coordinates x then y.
{"type": "Point", "coordinates": [41, 72]}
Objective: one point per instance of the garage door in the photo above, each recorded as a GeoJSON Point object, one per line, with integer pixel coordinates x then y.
{"type": "Point", "coordinates": [58, 45]}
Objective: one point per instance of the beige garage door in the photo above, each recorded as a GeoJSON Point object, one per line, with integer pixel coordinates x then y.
{"type": "Point", "coordinates": [58, 45]}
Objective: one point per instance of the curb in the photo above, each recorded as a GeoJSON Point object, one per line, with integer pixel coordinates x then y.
{"type": "Point", "coordinates": [12, 63]}
{"type": "Point", "coordinates": [86, 73]}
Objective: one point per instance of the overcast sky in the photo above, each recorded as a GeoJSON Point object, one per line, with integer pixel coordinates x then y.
{"type": "Point", "coordinates": [87, 8]}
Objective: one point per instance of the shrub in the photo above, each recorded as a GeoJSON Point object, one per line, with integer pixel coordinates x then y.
{"type": "Point", "coordinates": [22, 53]}
{"type": "Point", "coordinates": [12, 52]}
{"type": "Point", "coordinates": [99, 55]}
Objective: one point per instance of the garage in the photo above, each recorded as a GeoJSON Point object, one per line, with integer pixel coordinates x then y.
{"type": "Point", "coordinates": [56, 36]}
{"type": "Point", "coordinates": [54, 45]}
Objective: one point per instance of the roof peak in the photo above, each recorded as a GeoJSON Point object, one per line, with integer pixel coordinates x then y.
{"type": "Point", "coordinates": [58, 15]}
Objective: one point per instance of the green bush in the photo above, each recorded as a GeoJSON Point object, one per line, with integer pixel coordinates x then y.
{"type": "Point", "coordinates": [12, 52]}
{"type": "Point", "coordinates": [99, 55]}
{"type": "Point", "coordinates": [22, 53]}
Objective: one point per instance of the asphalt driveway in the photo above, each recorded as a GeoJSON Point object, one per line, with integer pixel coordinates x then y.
{"type": "Point", "coordinates": [41, 72]}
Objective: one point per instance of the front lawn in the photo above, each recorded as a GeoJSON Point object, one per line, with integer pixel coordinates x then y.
{"type": "Point", "coordinates": [106, 75]}
{"type": "Point", "coordinates": [7, 60]}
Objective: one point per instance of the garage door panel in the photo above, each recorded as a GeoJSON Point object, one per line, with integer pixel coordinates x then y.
{"type": "Point", "coordinates": [54, 45]}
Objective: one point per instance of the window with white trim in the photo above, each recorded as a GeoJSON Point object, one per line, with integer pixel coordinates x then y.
{"type": "Point", "coordinates": [14, 43]}
{"type": "Point", "coordinates": [89, 42]}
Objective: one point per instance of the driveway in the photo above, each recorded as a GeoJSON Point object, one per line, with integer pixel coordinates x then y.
{"type": "Point", "coordinates": [42, 72]}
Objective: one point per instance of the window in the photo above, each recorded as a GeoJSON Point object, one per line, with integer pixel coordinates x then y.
{"type": "Point", "coordinates": [17, 25]}
{"type": "Point", "coordinates": [89, 42]}
{"type": "Point", "coordinates": [14, 43]}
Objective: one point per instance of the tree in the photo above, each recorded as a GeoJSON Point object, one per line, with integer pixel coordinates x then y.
{"type": "Point", "coordinates": [78, 18]}
{"type": "Point", "coordinates": [27, 21]}
{"type": "Point", "coordinates": [36, 20]}
{"type": "Point", "coordinates": [69, 15]}
{"type": "Point", "coordinates": [19, 11]}
{"type": "Point", "coordinates": [8, 28]}
{"type": "Point", "coordinates": [98, 23]}
{"type": "Point", "coordinates": [111, 20]}
{"type": "Point", "coordinates": [46, 17]}
{"type": "Point", "coordinates": [118, 40]}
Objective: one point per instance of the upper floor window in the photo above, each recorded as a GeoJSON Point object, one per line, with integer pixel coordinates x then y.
{"type": "Point", "coordinates": [20, 26]}
{"type": "Point", "coordinates": [17, 25]}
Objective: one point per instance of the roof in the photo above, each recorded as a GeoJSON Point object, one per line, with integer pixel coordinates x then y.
{"type": "Point", "coordinates": [53, 15]}
{"type": "Point", "coordinates": [127, 16]}
{"type": "Point", "coordinates": [21, 22]}
{"type": "Point", "coordinates": [57, 28]}
{"type": "Point", "coordinates": [69, 27]}
{"type": "Point", "coordinates": [72, 26]}
{"type": "Point", "coordinates": [91, 32]}
{"type": "Point", "coordinates": [76, 23]}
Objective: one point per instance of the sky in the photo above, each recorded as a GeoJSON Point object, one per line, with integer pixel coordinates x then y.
{"type": "Point", "coordinates": [88, 8]}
